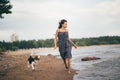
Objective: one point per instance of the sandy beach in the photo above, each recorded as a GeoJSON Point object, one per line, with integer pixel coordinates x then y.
{"type": "Point", "coordinates": [13, 66]}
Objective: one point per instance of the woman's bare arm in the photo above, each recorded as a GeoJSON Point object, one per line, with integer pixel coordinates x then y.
{"type": "Point", "coordinates": [55, 39]}
{"type": "Point", "coordinates": [71, 41]}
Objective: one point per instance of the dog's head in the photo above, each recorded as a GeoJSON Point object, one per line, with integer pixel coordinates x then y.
{"type": "Point", "coordinates": [37, 57]}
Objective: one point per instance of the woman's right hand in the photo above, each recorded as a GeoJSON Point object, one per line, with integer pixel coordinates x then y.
{"type": "Point", "coordinates": [55, 47]}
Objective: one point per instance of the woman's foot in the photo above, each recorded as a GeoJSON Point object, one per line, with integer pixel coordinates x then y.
{"type": "Point", "coordinates": [33, 70]}
{"type": "Point", "coordinates": [69, 72]}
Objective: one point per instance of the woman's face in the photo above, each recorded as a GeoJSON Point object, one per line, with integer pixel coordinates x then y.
{"type": "Point", "coordinates": [64, 25]}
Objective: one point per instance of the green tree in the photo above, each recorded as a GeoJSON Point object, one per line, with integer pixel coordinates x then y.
{"type": "Point", "coordinates": [34, 44]}
{"type": "Point", "coordinates": [5, 7]}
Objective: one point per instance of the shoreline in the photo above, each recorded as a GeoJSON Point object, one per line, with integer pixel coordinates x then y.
{"type": "Point", "coordinates": [48, 66]}
{"type": "Point", "coordinates": [27, 51]}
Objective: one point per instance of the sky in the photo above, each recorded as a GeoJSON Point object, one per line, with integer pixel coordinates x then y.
{"type": "Point", "coordinates": [38, 19]}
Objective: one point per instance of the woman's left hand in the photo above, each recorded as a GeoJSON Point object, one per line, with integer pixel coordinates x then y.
{"type": "Point", "coordinates": [75, 46]}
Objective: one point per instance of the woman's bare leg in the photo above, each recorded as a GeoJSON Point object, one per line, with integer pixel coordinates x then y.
{"type": "Point", "coordinates": [68, 64]}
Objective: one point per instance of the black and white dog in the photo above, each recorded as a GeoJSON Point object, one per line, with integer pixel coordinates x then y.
{"type": "Point", "coordinates": [32, 61]}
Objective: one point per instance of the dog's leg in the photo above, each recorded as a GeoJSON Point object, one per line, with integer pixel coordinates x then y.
{"type": "Point", "coordinates": [33, 65]}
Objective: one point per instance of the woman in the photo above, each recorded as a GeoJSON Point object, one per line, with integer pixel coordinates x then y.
{"type": "Point", "coordinates": [64, 43]}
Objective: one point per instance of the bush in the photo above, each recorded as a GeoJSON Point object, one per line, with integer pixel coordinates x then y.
{"type": "Point", "coordinates": [14, 48]}
{"type": "Point", "coordinates": [2, 50]}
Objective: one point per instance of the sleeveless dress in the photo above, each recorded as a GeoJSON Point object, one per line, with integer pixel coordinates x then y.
{"type": "Point", "coordinates": [64, 45]}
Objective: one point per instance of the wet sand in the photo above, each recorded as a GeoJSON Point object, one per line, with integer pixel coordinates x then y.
{"type": "Point", "coordinates": [13, 66]}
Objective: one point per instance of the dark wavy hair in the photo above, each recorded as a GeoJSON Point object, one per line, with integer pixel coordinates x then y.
{"type": "Point", "coordinates": [61, 22]}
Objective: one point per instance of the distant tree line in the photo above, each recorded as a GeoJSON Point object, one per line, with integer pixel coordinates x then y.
{"type": "Point", "coordinates": [4, 46]}
{"type": "Point", "coordinates": [97, 40]}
